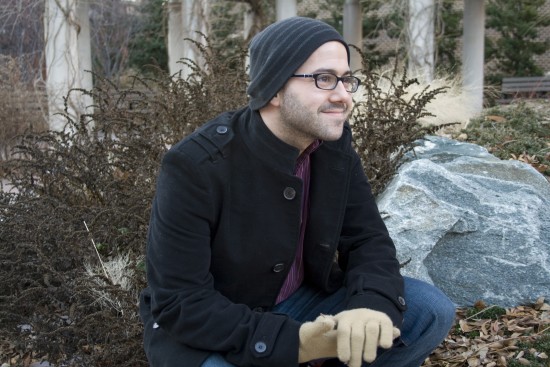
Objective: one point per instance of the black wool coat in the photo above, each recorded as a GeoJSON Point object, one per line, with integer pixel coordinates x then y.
{"type": "Point", "coordinates": [224, 227]}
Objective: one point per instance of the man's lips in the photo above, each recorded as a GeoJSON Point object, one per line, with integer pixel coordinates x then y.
{"type": "Point", "coordinates": [335, 112]}
{"type": "Point", "coordinates": [335, 109]}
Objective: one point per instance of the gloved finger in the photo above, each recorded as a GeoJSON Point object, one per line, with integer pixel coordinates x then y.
{"type": "Point", "coordinates": [386, 334]}
{"type": "Point", "coordinates": [328, 322]}
{"type": "Point", "coordinates": [316, 328]}
{"type": "Point", "coordinates": [357, 343]}
{"type": "Point", "coordinates": [343, 341]}
{"type": "Point", "coordinates": [331, 335]}
{"type": "Point", "coordinates": [372, 335]}
{"type": "Point", "coordinates": [310, 330]}
{"type": "Point", "coordinates": [396, 333]}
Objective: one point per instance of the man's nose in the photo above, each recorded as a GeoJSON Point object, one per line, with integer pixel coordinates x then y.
{"type": "Point", "coordinates": [341, 91]}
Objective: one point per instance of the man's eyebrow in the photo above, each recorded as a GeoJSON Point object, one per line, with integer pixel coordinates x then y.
{"type": "Point", "coordinates": [330, 71]}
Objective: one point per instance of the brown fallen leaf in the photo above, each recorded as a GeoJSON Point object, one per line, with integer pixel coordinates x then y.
{"type": "Point", "coordinates": [495, 118]}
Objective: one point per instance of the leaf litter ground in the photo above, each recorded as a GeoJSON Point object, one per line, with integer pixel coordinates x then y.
{"type": "Point", "coordinates": [517, 336]}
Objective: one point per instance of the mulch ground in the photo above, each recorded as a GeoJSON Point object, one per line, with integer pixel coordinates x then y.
{"type": "Point", "coordinates": [491, 342]}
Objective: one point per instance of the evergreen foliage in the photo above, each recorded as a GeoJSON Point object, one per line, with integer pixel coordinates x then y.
{"type": "Point", "coordinates": [149, 46]}
{"type": "Point", "coordinates": [448, 31]}
{"type": "Point", "coordinates": [517, 24]}
{"type": "Point", "coordinates": [376, 26]}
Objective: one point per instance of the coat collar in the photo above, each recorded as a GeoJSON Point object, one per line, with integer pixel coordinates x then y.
{"type": "Point", "coordinates": [264, 144]}
{"type": "Point", "coordinates": [274, 152]}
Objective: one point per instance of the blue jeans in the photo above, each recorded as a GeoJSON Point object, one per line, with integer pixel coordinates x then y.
{"type": "Point", "coordinates": [427, 321]}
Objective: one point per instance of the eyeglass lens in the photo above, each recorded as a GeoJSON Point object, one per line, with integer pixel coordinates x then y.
{"type": "Point", "coordinates": [329, 81]}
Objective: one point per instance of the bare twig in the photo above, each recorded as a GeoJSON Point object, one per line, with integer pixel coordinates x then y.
{"type": "Point", "coordinates": [97, 252]}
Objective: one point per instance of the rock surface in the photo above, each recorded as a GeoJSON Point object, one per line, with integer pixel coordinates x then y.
{"type": "Point", "coordinates": [475, 226]}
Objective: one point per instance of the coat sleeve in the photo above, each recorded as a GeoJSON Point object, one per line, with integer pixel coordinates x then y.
{"type": "Point", "coordinates": [184, 301]}
{"type": "Point", "coordinates": [367, 253]}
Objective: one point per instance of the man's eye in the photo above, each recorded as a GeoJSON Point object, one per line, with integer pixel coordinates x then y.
{"type": "Point", "coordinates": [325, 78]}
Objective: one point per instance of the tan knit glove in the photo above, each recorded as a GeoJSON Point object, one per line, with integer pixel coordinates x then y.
{"type": "Point", "coordinates": [360, 332]}
{"type": "Point", "coordinates": [317, 339]}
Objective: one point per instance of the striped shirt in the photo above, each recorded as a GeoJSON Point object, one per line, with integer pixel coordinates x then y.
{"type": "Point", "coordinates": [295, 276]}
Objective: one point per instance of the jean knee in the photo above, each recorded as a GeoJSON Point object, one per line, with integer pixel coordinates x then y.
{"type": "Point", "coordinates": [216, 360]}
{"type": "Point", "coordinates": [429, 308]}
{"type": "Point", "coordinates": [442, 307]}
{"type": "Point", "coordinates": [449, 313]}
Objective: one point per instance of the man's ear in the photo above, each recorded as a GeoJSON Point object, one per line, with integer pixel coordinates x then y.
{"type": "Point", "coordinates": [276, 101]}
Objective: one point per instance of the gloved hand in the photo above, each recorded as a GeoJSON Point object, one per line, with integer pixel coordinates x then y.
{"type": "Point", "coordinates": [360, 332]}
{"type": "Point", "coordinates": [317, 339]}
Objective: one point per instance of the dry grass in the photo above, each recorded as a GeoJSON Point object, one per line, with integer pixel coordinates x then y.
{"type": "Point", "coordinates": [519, 131]}
{"type": "Point", "coordinates": [453, 106]}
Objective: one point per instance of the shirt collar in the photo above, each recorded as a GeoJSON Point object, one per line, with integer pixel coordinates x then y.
{"type": "Point", "coordinates": [310, 149]}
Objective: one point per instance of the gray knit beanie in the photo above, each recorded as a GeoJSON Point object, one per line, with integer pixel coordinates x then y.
{"type": "Point", "coordinates": [279, 50]}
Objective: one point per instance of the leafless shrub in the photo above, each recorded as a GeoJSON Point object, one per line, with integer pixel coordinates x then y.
{"type": "Point", "coordinates": [101, 171]}
{"type": "Point", "coordinates": [22, 106]}
{"type": "Point", "coordinates": [386, 122]}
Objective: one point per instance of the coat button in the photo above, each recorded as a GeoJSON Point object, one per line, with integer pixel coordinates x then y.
{"type": "Point", "coordinates": [260, 347]}
{"type": "Point", "coordinates": [278, 267]}
{"type": "Point", "coordinates": [221, 129]}
{"type": "Point", "coordinates": [289, 193]}
{"type": "Point", "coordinates": [401, 301]}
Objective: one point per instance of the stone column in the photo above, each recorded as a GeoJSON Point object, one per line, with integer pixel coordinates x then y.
{"type": "Point", "coordinates": [286, 9]}
{"type": "Point", "coordinates": [67, 56]}
{"type": "Point", "coordinates": [473, 51]}
{"type": "Point", "coordinates": [185, 19]}
{"type": "Point", "coordinates": [353, 30]}
{"type": "Point", "coordinates": [421, 39]}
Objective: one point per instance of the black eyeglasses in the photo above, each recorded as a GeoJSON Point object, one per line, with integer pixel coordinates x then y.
{"type": "Point", "coordinates": [329, 81]}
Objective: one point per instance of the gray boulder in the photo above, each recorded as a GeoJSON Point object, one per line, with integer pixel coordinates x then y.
{"type": "Point", "coordinates": [475, 226]}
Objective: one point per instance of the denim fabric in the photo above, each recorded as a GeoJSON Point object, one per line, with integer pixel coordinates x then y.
{"type": "Point", "coordinates": [428, 319]}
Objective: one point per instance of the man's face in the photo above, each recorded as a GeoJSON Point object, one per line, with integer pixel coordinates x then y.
{"type": "Point", "coordinates": [308, 113]}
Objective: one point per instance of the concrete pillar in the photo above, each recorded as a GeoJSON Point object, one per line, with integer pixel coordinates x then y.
{"type": "Point", "coordinates": [248, 22]}
{"type": "Point", "coordinates": [286, 9]}
{"type": "Point", "coordinates": [353, 30]}
{"type": "Point", "coordinates": [185, 19]}
{"type": "Point", "coordinates": [473, 51]}
{"type": "Point", "coordinates": [247, 31]}
{"type": "Point", "coordinates": [67, 56]}
{"type": "Point", "coordinates": [85, 51]}
{"type": "Point", "coordinates": [421, 39]}
{"type": "Point", "coordinates": [176, 35]}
